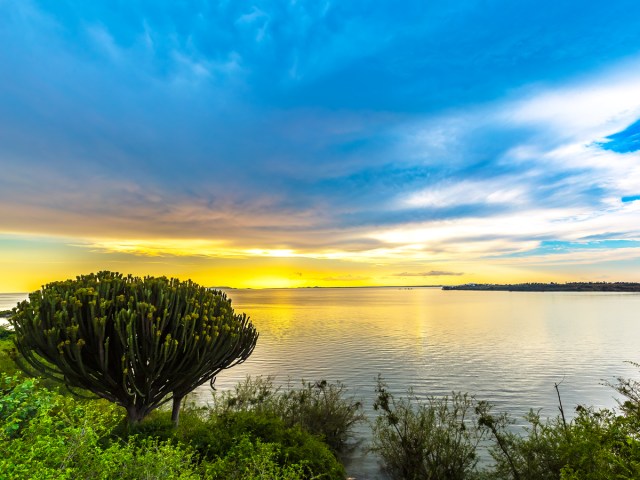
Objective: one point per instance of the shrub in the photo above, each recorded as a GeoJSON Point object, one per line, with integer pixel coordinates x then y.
{"type": "Point", "coordinates": [630, 389]}
{"type": "Point", "coordinates": [7, 362]}
{"type": "Point", "coordinates": [135, 342]}
{"type": "Point", "coordinates": [249, 460]}
{"type": "Point", "coordinates": [215, 438]}
{"type": "Point", "coordinates": [18, 404]}
{"type": "Point", "coordinates": [432, 439]}
{"type": "Point", "coordinates": [45, 435]}
{"type": "Point", "coordinates": [296, 445]}
{"type": "Point", "coordinates": [596, 444]}
{"type": "Point", "coordinates": [321, 408]}
{"type": "Point", "coordinates": [147, 459]}
{"type": "Point", "coordinates": [5, 333]}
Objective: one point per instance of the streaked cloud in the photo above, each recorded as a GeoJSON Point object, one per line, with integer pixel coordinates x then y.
{"type": "Point", "coordinates": [345, 278]}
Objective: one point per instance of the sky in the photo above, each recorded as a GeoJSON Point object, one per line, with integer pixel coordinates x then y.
{"type": "Point", "coordinates": [257, 144]}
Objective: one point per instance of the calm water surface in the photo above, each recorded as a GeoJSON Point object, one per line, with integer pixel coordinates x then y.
{"type": "Point", "coordinates": [9, 300]}
{"type": "Point", "coordinates": [507, 348]}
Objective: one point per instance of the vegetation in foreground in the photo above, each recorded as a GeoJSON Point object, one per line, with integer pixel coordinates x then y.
{"type": "Point", "coordinates": [321, 408]}
{"type": "Point", "coordinates": [46, 435]}
{"type": "Point", "coordinates": [438, 439]}
{"type": "Point", "coordinates": [248, 434]}
{"type": "Point", "coordinates": [259, 431]}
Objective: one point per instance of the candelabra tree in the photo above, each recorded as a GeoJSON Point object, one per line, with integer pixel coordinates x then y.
{"type": "Point", "coordinates": [137, 342]}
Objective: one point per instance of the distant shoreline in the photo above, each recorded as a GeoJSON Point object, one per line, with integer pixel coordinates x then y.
{"type": "Point", "coordinates": [551, 287]}
{"type": "Point", "coordinates": [516, 287]}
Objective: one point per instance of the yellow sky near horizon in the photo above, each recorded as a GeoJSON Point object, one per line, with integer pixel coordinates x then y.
{"type": "Point", "coordinates": [30, 262]}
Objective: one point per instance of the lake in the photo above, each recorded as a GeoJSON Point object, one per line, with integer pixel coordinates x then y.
{"type": "Point", "coordinates": [507, 348]}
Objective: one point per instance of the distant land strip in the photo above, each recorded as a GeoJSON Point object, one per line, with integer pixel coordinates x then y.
{"type": "Point", "coordinates": [552, 287]}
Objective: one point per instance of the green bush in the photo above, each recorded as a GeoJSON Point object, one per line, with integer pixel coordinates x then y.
{"type": "Point", "coordinates": [45, 435]}
{"type": "Point", "coordinates": [215, 438]}
{"type": "Point", "coordinates": [249, 460]}
{"type": "Point", "coordinates": [630, 390]}
{"type": "Point", "coordinates": [435, 439]}
{"type": "Point", "coordinates": [321, 408]}
{"type": "Point", "coordinates": [439, 438]}
{"type": "Point", "coordinates": [6, 333]}
{"type": "Point", "coordinates": [596, 444]}
{"type": "Point", "coordinates": [8, 365]}
{"type": "Point", "coordinates": [19, 404]}
{"type": "Point", "coordinates": [147, 459]}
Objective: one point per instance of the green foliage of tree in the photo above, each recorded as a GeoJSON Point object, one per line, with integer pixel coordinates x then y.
{"type": "Point", "coordinates": [137, 342]}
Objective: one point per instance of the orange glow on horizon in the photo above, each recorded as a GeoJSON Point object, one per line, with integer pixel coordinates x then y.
{"type": "Point", "coordinates": [33, 261]}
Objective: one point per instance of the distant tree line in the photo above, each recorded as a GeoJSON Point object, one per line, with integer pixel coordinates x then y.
{"type": "Point", "coordinates": [551, 287]}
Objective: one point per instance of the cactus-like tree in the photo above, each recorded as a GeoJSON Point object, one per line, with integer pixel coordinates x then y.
{"type": "Point", "coordinates": [138, 342]}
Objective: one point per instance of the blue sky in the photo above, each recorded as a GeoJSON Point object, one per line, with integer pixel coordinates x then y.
{"type": "Point", "coordinates": [322, 142]}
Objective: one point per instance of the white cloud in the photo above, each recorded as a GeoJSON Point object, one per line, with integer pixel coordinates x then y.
{"type": "Point", "coordinates": [586, 110]}
{"type": "Point", "coordinates": [562, 185]}
{"type": "Point", "coordinates": [468, 192]}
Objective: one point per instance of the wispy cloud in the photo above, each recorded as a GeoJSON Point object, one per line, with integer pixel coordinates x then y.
{"type": "Point", "coordinates": [431, 273]}
{"type": "Point", "coordinates": [345, 278]}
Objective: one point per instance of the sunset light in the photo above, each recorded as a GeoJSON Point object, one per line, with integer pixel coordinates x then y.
{"type": "Point", "coordinates": [273, 159]}
{"type": "Point", "coordinates": [400, 238]}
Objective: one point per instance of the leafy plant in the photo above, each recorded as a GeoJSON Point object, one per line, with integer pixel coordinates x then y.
{"type": "Point", "coordinates": [248, 460]}
{"type": "Point", "coordinates": [321, 408]}
{"type": "Point", "coordinates": [5, 333]}
{"type": "Point", "coordinates": [432, 439]}
{"type": "Point", "coordinates": [596, 444]}
{"type": "Point", "coordinates": [216, 436]}
{"type": "Point", "coordinates": [148, 459]}
{"type": "Point", "coordinates": [18, 404]}
{"type": "Point", "coordinates": [7, 354]}
{"type": "Point", "coordinates": [135, 342]}
{"type": "Point", "coordinates": [45, 432]}
{"type": "Point", "coordinates": [629, 388]}
{"type": "Point", "coordinates": [59, 437]}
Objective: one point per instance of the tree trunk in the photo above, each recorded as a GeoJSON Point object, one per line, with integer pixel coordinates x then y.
{"type": "Point", "coordinates": [134, 415]}
{"type": "Point", "coordinates": [175, 412]}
